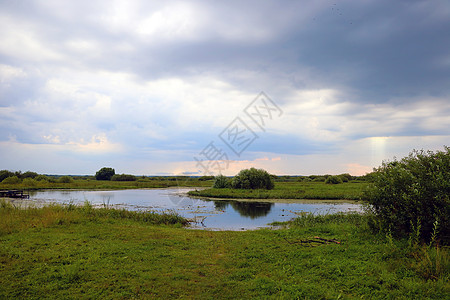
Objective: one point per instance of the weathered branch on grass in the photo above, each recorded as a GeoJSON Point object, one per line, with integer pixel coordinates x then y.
{"type": "Point", "coordinates": [316, 239]}
{"type": "Point", "coordinates": [326, 240]}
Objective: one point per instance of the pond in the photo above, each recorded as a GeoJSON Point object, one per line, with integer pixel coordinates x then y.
{"type": "Point", "coordinates": [209, 213]}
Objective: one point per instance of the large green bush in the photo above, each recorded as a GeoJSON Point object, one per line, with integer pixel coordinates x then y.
{"type": "Point", "coordinates": [252, 179]}
{"type": "Point", "coordinates": [221, 182]}
{"type": "Point", "coordinates": [105, 174]}
{"type": "Point", "coordinates": [412, 196]}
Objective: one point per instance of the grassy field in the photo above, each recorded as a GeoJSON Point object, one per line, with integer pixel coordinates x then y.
{"type": "Point", "coordinates": [292, 190]}
{"type": "Point", "coordinates": [88, 184]}
{"type": "Point", "coordinates": [80, 253]}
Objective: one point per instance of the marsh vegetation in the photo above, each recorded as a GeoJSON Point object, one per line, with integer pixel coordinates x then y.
{"type": "Point", "coordinates": [398, 249]}
{"type": "Point", "coordinates": [60, 252]}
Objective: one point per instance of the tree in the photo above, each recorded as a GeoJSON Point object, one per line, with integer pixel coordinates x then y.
{"type": "Point", "coordinates": [5, 174]}
{"type": "Point", "coordinates": [105, 174]}
{"type": "Point", "coordinates": [29, 174]}
{"type": "Point", "coordinates": [412, 196]}
{"type": "Point", "coordinates": [253, 179]}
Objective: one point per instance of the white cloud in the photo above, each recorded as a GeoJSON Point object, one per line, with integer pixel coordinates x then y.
{"type": "Point", "coordinates": [8, 73]}
{"type": "Point", "coordinates": [137, 81]}
{"type": "Point", "coordinates": [21, 41]}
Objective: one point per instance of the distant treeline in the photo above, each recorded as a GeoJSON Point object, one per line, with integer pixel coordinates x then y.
{"type": "Point", "coordinates": [15, 177]}
{"type": "Point", "coordinates": [12, 177]}
{"type": "Point", "coordinates": [345, 177]}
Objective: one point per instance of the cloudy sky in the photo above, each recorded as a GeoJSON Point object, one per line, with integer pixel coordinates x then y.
{"type": "Point", "coordinates": [173, 87]}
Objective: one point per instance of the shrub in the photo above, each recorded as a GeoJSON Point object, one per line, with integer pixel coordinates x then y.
{"type": "Point", "coordinates": [346, 177]}
{"type": "Point", "coordinates": [105, 174]}
{"type": "Point", "coordinates": [252, 179]}
{"type": "Point", "coordinates": [412, 196]}
{"type": "Point", "coordinates": [29, 182]}
{"type": "Point", "coordinates": [29, 174]}
{"type": "Point", "coordinates": [319, 179]}
{"type": "Point", "coordinates": [123, 177]}
{"type": "Point", "coordinates": [11, 180]}
{"type": "Point", "coordinates": [52, 179]}
{"type": "Point", "coordinates": [367, 177]}
{"type": "Point", "coordinates": [65, 179]}
{"type": "Point", "coordinates": [222, 182]}
{"type": "Point", "coordinates": [5, 174]}
{"type": "Point", "coordinates": [41, 178]}
{"type": "Point", "coordinates": [333, 180]}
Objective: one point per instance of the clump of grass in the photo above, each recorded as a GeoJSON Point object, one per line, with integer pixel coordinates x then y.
{"type": "Point", "coordinates": [309, 219]}
{"type": "Point", "coordinates": [166, 218]}
{"type": "Point", "coordinates": [428, 261]}
{"type": "Point", "coordinates": [431, 263]}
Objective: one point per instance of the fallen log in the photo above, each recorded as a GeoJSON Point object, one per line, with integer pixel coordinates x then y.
{"type": "Point", "coordinates": [316, 239]}
{"type": "Point", "coordinates": [326, 240]}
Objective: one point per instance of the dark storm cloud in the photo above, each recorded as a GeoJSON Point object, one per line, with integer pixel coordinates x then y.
{"type": "Point", "coordinates": [82, 69]}
{"type": "Point", "coordinates": [378, 49]}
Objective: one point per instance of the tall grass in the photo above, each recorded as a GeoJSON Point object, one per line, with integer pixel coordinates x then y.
{"type": "Point", "coordinates": [100, 254]}
{"type": "Point", "coordinates": [16, 218]}
{"type": "Point", "coordinates": [429, 261]}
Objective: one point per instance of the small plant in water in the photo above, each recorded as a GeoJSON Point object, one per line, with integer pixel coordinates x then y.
{"type": "Point", "coordinates": [106, 202]}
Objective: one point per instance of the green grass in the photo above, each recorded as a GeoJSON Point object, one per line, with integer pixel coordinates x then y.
{"type": "Point", "coordinates": [79, 253]}
{"type": "Point", "coordinates": [291, 190]}
{"type": "Point", "coordinates": [105, 185]}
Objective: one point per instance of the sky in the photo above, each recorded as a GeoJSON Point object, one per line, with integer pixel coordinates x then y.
{"type": "Point", "coordinates": [208, 87]}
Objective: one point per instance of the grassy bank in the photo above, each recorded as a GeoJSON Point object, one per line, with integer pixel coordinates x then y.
{"type": "Point", "coordinates": [71, 252]}
{"type": "Point", "coordinates": [291, 190]}
{"type": "Point", "coordinates": [88, 184]}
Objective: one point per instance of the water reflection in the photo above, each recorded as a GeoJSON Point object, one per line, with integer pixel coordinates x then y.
{"type": "Point", "coordinates": [246, 209]}
{"type": "Point", "coordinates": [223, 214]}
{"type": "Point", "coordinates": [221, 205]}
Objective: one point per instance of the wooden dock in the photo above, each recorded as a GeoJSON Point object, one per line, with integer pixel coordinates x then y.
{"type": "Point", "coordinates": [14, 194]}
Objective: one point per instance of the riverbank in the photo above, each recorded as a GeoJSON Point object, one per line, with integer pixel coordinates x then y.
{"type": "Point", "coordinates": [87, 184]}
{"type": "Point", "coordinates": [280, 200]}
{"type": "Point", "coordinates": [56, 253]}
{"type": "Point", "coordinates": [291, 190]}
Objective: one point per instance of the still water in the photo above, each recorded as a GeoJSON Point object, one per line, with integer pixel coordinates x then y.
{"type": "Point", "coordinates": [209, 214]}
